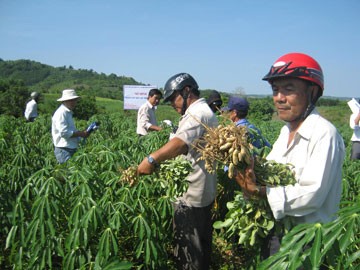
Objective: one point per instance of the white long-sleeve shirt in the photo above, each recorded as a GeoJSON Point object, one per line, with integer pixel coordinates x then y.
{"type": "Point", "coordinates": [63, 127]}
{"type": "Point", "coordinates": [145, 118]}
{"type": "Point", "coordinates": [356, 134]}
{"type": "Point", "coordinates": [31, 110]}
{"type": "Point", "coordinates": [317, 152]}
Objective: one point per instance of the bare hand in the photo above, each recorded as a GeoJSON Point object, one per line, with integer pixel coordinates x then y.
{"type": "Point", "coordinates": [247, 181]}
{"type": "Point", "coordinates": [85, 134]}
{"type": "Point", "coordinates": [145, 167]}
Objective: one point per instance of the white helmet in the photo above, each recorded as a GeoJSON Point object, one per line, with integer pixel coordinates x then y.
{"type": "Point", "coordinates": [34, 94]}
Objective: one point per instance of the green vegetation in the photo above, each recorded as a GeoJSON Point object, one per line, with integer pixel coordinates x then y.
{"type": "Point", "coordinates": [13, 95]}
{"type": "Point", "coordinates": [48, 79]}
{"type": "Point", "coordinates": [80, 215]}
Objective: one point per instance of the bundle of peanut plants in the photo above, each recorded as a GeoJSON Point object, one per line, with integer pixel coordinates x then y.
{"type": "Point", "coordinates": [249, 220]}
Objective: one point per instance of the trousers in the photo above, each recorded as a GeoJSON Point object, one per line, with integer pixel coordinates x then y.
{"type": "Point", "coordinates": [192, 236]}
{"type": "Point", "coordinates": [62, 154]}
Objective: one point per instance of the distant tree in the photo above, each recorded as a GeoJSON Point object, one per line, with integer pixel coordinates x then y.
{"type": "Point", "coordinates": [86, 107]}
{"type": "Point", "coordinates": [13, 97]}
{"type": "Point", "coordinates": [327, 102]}
{"type": "Point", "coordinates": [48, 79]}
{"type": "Point", "coordinates": [261, 109]}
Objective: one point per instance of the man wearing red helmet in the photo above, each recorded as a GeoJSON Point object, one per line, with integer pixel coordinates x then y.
{"type": "Point", "coordinates": [308, 141]}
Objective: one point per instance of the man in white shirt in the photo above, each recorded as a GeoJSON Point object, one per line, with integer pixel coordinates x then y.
{"type": "Point", "coordinates": [31, 107]}
{"type": "Point", "coordinates": [214, 101]}
{"type": "Point", "coordinates": [355, 138]}
{"type": "Point", "coordinates": [192, 211]}
{"type": "Point", "coordinates": [65, 136]}
{"type": "Point", "coordinates": [146, 118]}
{"type": "Point", "coordinates": [308, 141]}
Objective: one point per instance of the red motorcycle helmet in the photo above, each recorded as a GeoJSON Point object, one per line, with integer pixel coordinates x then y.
{"type": "Point", "coordinates": [297, 65]}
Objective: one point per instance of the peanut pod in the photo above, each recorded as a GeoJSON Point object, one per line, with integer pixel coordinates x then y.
{"type": "Point", "coordinates": [231, 170]}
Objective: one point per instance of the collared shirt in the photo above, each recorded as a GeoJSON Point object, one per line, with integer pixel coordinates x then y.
{"type": "Point", "coordinates": [356, 134]}
{"type": "Point", "coordinates": [31, 110]}
{"type": "Point", "coordinates": [317, 153]}
{"type": "Point", "coordinates": [63, 127]}
{"type": "Point", "coordinates": [145, 118]}
{"type": "Point", "coordinates": [258, 142]}
{"type": "Point", "coordinates": [202, 185]}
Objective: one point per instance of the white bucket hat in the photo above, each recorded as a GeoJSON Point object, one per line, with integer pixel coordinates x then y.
{"type": "Point", "coordinates": [68, 94]}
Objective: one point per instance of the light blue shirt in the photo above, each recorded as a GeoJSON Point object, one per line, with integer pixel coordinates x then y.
{"type": "Point", "coordinates": [63, 127]}
{"type": "Point", "coordinates": [257, 141]}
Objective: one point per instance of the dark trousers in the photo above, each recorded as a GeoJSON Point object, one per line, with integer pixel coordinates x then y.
{"type": "Point", "coordinates": [355, 150]}
{"type": "Point", "coordinates": [192, 237]}
{"type": "Point", "coordinates": [271, 246]}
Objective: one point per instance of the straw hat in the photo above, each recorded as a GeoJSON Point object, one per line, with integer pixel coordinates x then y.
{"type": "Point", "coordinates": [68, 94]}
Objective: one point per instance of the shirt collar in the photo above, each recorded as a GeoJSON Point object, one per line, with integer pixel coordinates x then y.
{"type": "Point", "coordinates": [241, 122]}
{"type": "Point", "coordinates": [308, 125]}
{"type": "Point", "coordinates": [150, 105]}
{"type": "Point", "coordinates": [200, 100]}
{"type": "Point", "coordinates": [66, 108]}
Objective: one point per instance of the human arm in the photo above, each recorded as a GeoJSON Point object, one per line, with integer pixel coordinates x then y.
{"type": "Point", "coordinates": [171, 149]}
{"type": "Point", "coordinates": [154, 128]}
{"type": "Point", "coordinates": [247, 181]}
{"type": "Point", "coordinates": [65, 125]}
{"type": "Point", "coordinates": [80, 133]}
{"type": "Point", "coordinates": [146, 119]}
{"type": "Point", "coordinates": [189, 130]}
{"type": "Point", "coordinates": [357, 119]}
{"type": "Point", "coordinates": [354, 121]}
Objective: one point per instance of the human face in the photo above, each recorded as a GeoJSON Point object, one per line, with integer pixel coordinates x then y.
{"type": "Point", "coordinates": [176, 101]}
{"type": "Point", "coordinates": [291, 98]}
{"type": "Point", "coordinates": [154, 100]}
{"type": "Point", "coordinates": [233, 115]}
{"type": "Point", "coordinates": [71, 104]}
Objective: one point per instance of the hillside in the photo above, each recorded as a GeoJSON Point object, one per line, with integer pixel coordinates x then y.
{"type": "Point", "coordinates": [47, 79]}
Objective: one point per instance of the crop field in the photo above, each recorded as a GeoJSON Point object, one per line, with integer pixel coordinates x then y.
{"type": "Point", "coordinates": [84, 215]}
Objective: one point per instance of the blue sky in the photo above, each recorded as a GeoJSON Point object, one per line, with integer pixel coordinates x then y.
{"type": "Point", "coordinates": [225, 45]}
